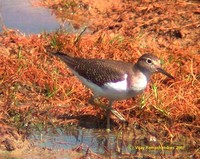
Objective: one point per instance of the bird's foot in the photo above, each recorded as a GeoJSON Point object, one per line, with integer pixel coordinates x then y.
{"type": "Point", "coordinates": [115, 112]}
{"type": "Point", "coordinates": [118, 115]}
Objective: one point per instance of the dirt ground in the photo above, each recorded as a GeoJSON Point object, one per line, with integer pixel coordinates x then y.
{"type": "Point", "coordinates": [37, 88]}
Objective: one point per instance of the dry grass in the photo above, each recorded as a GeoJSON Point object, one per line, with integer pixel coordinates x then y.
{"type": "Point", "coordinates": [36, 87]}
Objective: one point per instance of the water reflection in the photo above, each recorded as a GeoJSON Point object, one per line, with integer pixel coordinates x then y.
{"type": "Point", "coordinates": [97, 141]}
{"type": "Point", "coordinates": [125, 143]}
{"type": "Point", "coordinates": [21, 15]}
{"type": "Point", "coordinates": [78, 139]}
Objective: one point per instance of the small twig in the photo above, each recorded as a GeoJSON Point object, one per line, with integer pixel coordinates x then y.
{"type": "Point", "coordinates": [79, 36]}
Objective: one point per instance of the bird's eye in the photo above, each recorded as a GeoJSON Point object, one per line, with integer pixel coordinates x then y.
{"type": "Point", "coordinates": [149, 61]}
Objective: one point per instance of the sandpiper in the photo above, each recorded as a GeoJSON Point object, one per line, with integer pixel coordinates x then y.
{"type": "Point", "coordinates": [115, 80]}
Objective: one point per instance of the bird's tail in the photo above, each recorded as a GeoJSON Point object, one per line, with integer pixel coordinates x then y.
{"type": "Point", "coordinates": [64, 57]}
{"type": "Point", "coordinates": [60, 54]}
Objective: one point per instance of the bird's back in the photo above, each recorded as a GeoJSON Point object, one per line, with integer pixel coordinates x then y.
{"type": "Point", "coordinates": [97, 70]}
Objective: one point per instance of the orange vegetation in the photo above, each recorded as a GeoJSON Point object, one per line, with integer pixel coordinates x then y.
{"type": "Point", "coordinates": [37, 87]}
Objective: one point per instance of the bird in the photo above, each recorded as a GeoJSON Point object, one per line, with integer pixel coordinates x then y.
{"type": "Point", "coordinates": [112, 79]}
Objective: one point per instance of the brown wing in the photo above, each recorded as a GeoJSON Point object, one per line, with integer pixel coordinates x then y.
{"type": "Point", "coordinates": [96, 70]}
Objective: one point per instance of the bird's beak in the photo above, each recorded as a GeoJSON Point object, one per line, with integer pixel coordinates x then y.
{"type": "Point", "coordinates": [164, 72]}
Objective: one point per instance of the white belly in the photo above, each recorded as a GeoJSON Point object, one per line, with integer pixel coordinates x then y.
{"type": "Point", "coordinates": [117, 90]}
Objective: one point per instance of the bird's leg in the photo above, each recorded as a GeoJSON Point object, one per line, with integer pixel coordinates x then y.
{"type": "Point", "coordinates": [108, 109]}
{"type": "Point", "coordinates": [92, 102]}
{"type": "Point", "coordinates": [116, 113]}
{"type": "Point", "coordinates": [108, 116]}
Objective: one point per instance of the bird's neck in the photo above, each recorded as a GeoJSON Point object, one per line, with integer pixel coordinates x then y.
{"type": "Point", "coordinates": [145, 71]}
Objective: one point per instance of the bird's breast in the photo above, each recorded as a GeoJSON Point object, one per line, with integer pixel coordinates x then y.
{"type": "Point", "coordinates": [131, 86]}
{"type": "Point", "coordinates": [138, 83]}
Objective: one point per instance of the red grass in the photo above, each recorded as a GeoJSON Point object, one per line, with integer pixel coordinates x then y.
{"type": "Point", "coordinates": [34, 83]}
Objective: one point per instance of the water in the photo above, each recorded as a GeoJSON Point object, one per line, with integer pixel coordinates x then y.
{"type": "Point", "coordinates": [23, 16]}
{"type": "Point", "coordinates": [124, 143]}
{"type": "Point", "coordinates": [97, 141]}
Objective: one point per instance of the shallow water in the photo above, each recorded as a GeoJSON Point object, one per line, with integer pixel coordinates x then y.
{"type": "Point", "coordinates": [97, 141]}
{"type": "Point", "coordinates": [125, 143]}
{"type": "Point", "coordinates": [23, 16]}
